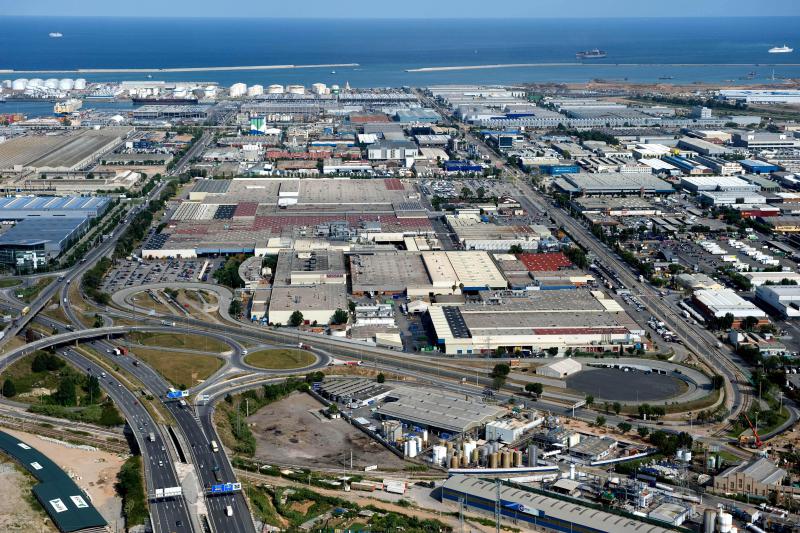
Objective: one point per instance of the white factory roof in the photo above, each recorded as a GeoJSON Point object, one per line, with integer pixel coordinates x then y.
{"type": "Point", "coordinates": [657, 164]}
{"type": "Point", "coordinates": [710, 183]}
{"type": "Point", "coordinates": [564, 366]}
{"type": "Point", "coordinates": [760, 278]}
{"type": "Point", "coordinates": [724, 301]}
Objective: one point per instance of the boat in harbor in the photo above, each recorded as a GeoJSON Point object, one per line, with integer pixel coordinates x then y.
{"type": "Point", "coordinates": [67, 106]}
{"type": "Point", "coordinates": [55, 34]}
{"type": "Point", "coordinates": [781, 50]}
{"type": "Point", "coordinates": [592, 54]}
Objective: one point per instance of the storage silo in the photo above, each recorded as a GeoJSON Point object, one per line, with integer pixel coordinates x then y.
{"type": "Point", "coordinates": [319, 88]}
{"type": "Point", "coordinates": [474, 456]}
{"type": "Point", "coordinates": [505, 459]}
{"type": "Point", "coordinates": [517, 458]}
{"type": "Point", "coordinates": [709, 521]}
{"type": "Point", "coordinates": [237, 90]}
{"type": "Point", "coordinates": [80, 84]}
{"type": "Point", "coordinates": [493, 460]}
{"type": "Point", "coordinates": [724, 522]}
{"type": "Point", "coordinates": [533, 455]}
{"type": "Point", "coordinates": [275, 89]}
{"type": "Point", "coordinates": [255, 90]}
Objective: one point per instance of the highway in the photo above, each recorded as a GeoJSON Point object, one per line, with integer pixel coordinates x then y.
{"type": "Point", "coordinates": [167, 514]}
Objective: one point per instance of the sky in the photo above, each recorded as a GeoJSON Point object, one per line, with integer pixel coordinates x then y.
{"type": "Point", "coordinates": [402, 8]}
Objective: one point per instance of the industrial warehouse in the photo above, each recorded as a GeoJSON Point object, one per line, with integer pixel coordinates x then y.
{"type": "Point", "coordinates": [582, 320]}
{"type": "Point", "coordinates": [44, 227]}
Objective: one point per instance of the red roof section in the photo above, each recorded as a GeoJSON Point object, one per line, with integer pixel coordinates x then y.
{"type": "Point", "coordinates": [393, 184]}
{"type": "Point", "coordinates": [246, 209]}
{"type": "Point", "coordinates": [547, 262]}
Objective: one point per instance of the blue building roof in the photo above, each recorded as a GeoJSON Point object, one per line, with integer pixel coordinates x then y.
{"type": "Point", "coordinates": [53, 203]}
{"type": "Point", "coordinates": [33, 231]}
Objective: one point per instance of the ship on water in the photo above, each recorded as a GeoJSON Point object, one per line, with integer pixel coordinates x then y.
{"type": "Point", "coordinates": [67, 106]}
{"type": "Point", "coordinates": [55, 34]}
{"type": "Point", "coordinates": [163, 101]}
{"type": "Point", "coordinates": [781, 50]}
{"type": "Point", "coordinates": [591, 54]}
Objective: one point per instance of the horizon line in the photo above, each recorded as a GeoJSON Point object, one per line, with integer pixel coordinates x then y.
{"type": "Point", "coordinates": [292, 17]}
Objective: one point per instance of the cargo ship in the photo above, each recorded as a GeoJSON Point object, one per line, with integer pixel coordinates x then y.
{"type": "Point", "coordinates": [67, 106]}
{"type": "Point", "coordinates": [163, 101]}
{"type": "Point", "coordinates": [55, 34]}
{"type": "Point", "coordinates": [592, 54]}
{"type": "Point", "coordinates": [781, 50]}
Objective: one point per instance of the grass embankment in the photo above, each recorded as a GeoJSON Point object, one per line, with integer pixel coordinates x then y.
{"type": "Point", "coordinates": [229, 417]}
{"type": "Point", "coordinates": [200, 343]}
{"type": "Point", "coordinates": [290, 507]}
{"type": "Point", "coordinates": [29, 294]}
{"type": "Point", "coordinates": [183, 370]}
{"type": "Point", "coordinates": [54, 310]}
{"type": "Point", "coordinates": [51, 387]}
{"type": "Point", "coordinates": [9, 282]}
{"type": "Point", "coordinates": [130, 487]}
{"type": "Point", "coordinates": [150, 302]}
{"type": "Point", "coordinates": [280, 359]}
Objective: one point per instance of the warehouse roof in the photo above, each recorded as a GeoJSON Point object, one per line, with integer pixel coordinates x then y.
{"type": "Point", "coordinates": [761, 469]}
{"type": "Point", "coordinates": [52, 203]}
{"type": "Point", "coordinates": [723, 301]}
{"type": "Point", "coordinates": [66, 504]}
{"type": "Point", "coordinates": [613, 182]}
{"type": "Point", "coordinates": [534, 503]}
{"type": "Point", "coordinates": [563, 366]}
{"type": "Point", "coordinates": [33, 231]}
{"type": "Point", "coordinates": [437, 409]}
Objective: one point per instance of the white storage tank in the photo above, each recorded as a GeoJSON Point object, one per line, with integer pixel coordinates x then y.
{"type": "Point", "coordinates": [7, 84]}
{"type": "Point", "coordinates": [724, 522]}
{"type": "Point", "coordinates": [80, 84]}
{"type": "Point", "coordinates": [35, 82]}
{"type": "Point", "coordinates": [51, 83]}
{"type": "Point", "coordinates": [319, 88]}
{"type": "Point", "coordinates": [255, 90]}
{"type": "Point", "coordinates": [295, 89]}
{"type": "Point", "coordinates": [66, 84]}
{"type": "Point", "coordinates": [438, 454]}
{"type": "Point", "coordinates": [237, 90]}
{"type": "Point", "coordinates": [275, 89]}
{"type": "Point", "coordinates": [19, 84]}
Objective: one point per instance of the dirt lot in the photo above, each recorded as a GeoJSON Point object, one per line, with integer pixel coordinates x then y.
{"type": "Point", "coordinates": [288, 433]}
{"type": "Point", "coordinates": [94, 471]}
{"type": "Point", "coordinates": [18, 508]}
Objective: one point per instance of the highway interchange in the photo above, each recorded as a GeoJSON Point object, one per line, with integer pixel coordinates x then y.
{"type": "Point", "coordinates": [195, 430]}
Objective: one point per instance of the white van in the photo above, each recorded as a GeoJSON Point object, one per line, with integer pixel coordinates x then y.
{"type": "Point", "coordinates": [228, 511]}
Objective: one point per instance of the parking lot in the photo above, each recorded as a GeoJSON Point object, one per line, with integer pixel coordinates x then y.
{"type": "Point", "coordinates": [128, 273]}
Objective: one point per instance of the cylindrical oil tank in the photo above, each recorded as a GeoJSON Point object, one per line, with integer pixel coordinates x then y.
{"type": "Point", "coordinates": [724, 522]}
{"type": "Point", "coordinates": [19, 84]}
{"type": "Point", "coordinates": [295, 89]}
{"type": "Point", "coordinates": [319, 88]}
{"type": "Point", "coordinates": [533, 455]}
{"type": "Point", "coordinates": [687, 456]}
{"type": "Point", "coordinates": [80, 84]}
{"type": "Point", "coordinates": [709, 521]}
{"type": "Point", "coordinates": [66, 84]}
{"type": "Point", "coordinates": [35, 82]}
{"type": "Point", "coordinates": [454, 462]}
{"type": "Point", "coordinates": [505, 459]}
{"type": "Point", "coordinates": [275, 89]}
{"type": "Point", "coordinates": [517, 458]}
{"type": "Point", "coordinates": [493, 460]}
{"type": "Point", "coordinates": [464, 460]}
{"type": "Point", "coordinates": [51, 83]}
{"type": "Point", "coordinates": [474, 458]}
{"type": "Point", "coordinates": [255, 90]}
{"type": "Point", "coordinates": [449, 446]}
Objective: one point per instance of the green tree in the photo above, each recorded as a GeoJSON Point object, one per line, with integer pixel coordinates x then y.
{"type": "Point", "coordinates": [624, 427]}
{"type": "Point", "coordinates": [9, 389]}
{"type": "Point", "coordinates": [515, 249]}
{"type": "Point", "coordinates": [66, 394]}
{"type": "Point", "coordinates": [749, 323]}
{"type": "Point", "coordinates": [553, 351]}
{"type": "Point", "coordinates": [235, 308]}
{"type": "Point", "coordinates": [98, 321]}
{"type": "Point", "coordinates": [92, 388]}
{"type": "Point", "coordinates": [481, 192]}
{"type": "Point", "coordinates": [499, 374]}
{"type": "Point", "coordinates": [645, 410]}
{"type": "Point", "coordinates": [600, 421]}
{"type": "Point", "coordinates": [717, 381]}
{"type": "Point", "coordinates": [339, 317]}
{"type": "Point", "coordinates": [466, 193]}
{"type": "Point", "coordinates": [381, 378]}
{"type": "Point", "coordinates": [589, 401]}
{"type": "Point", "coordinates": [617, 407]}
{"type": "Point", "coordinates": [296, 319]}
{"type": "Point", "coordinates": [534, 389]}
{"type": "Point", "coordinates": [110, 416]}
{"type": "Point", "coordinates": [643, 431]}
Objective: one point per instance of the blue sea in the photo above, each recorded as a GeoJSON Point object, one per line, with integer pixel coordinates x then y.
{"type": "Point", "coordinates": [706, 49]}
